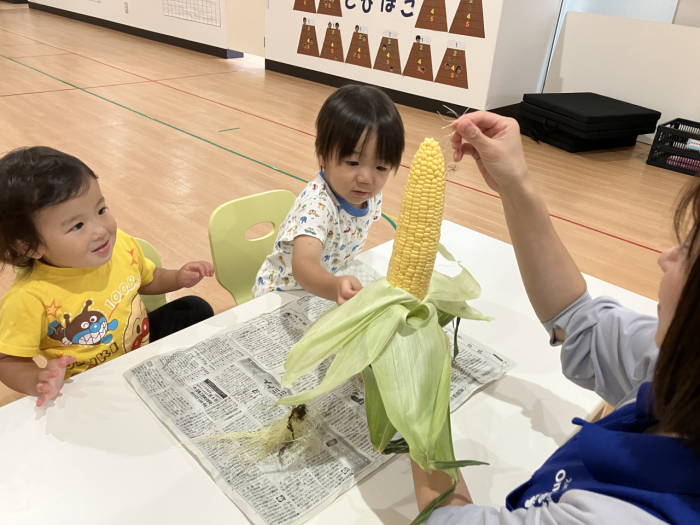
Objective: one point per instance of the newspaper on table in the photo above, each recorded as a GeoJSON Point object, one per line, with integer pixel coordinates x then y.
{"type": "Point", "coordinates": [222, 385]}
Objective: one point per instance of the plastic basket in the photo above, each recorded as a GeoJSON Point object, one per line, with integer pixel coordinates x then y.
{"type": "Point", "coordinates": [670, 148]}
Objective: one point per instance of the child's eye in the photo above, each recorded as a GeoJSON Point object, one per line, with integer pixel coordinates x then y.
{"type": "Point", "coordinates": [103, 210]}
{"type": "Point", "coordinates": [382, 168]}
{"type": "Point", "coordinates": [352, 163]}
{"type": "Point", "coordinates": [77, 227]}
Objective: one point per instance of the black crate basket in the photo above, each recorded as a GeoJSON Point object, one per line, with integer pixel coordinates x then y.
{"type": "Point", "coordinates": [670, 148]}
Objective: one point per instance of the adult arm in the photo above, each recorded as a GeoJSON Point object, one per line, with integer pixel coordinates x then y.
{"type": "Point", "coordinates": [550, 275]}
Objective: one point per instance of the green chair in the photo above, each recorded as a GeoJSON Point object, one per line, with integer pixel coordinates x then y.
{"type": "Point", "coordinates": [237, 259]}
{"type": "Point", "coordinates": [151, 302]}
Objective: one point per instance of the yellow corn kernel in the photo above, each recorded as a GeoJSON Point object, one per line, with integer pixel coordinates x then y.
{"type": "Point", "coordinates": [420, 218]}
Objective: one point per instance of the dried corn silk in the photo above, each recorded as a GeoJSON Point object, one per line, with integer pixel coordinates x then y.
{"type": "Point", "coordinates": [272, 442]}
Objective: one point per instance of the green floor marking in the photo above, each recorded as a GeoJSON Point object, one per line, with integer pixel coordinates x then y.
{"type": "Point", "coordinates": [170, 126]}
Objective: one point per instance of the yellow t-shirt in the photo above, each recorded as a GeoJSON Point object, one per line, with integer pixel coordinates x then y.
{"type": "Point", "coordinates": [94, 314]}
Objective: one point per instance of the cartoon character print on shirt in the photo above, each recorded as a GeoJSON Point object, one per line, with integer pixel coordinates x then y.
{"type": "Point", "coordinates": [88, 328]}
{"type": "Point", "coordinates": [138, 328]}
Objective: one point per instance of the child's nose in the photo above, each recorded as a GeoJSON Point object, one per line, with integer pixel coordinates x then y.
{"type": "Point", "coordinates": [99, 232]}
{"type": "Point", "coordinates": [364, 177]}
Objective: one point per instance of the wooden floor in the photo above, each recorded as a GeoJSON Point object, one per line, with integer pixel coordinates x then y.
{"type": "Point", "coordinates": [150, 119]}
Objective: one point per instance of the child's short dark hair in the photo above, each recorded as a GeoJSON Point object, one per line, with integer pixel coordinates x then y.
{"type": "Point", "coordinates": [351, 110]}
{"type": "Point", "coordinates": [32, 179]}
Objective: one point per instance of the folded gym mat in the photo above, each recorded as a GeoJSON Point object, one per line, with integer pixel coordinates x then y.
{"type": "Point", "coordinates": [590, 112]}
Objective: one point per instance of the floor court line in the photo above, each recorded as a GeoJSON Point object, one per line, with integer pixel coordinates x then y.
{"type": "Point", "coordinates": [279, 124]}
{"type": "Point", "coordinates": [173, 127]}
{"type": "Point", "coordinates": [567, 220]}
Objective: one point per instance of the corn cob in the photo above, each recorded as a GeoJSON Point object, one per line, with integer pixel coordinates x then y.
{"type": "Point", "coordinates": [418, 229]}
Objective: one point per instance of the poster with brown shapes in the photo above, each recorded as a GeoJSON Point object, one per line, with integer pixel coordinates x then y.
{"type": "Point", "coordinates": [388, 58]}
{"type": "Point", "coordinates": [305, 5]}
{"type": "Point", "coordinates": [453, 68]}
{"type": "Point", "coordinates": [469, 19]}
{"type": "Point", "coordinates": [333, 44]}
{"type": "Point", "coordinates": [358, 52]}
{"type": "Point", "coordinates": [308, 43]}
{"type": "Point", "coordinates": [329, 7]}
{"type": "Point", "coordinates": [420, 62]}
{"type": "Point", "coordinates": [433, 15]}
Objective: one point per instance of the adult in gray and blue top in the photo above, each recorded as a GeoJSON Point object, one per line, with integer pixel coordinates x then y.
{"type": "Point", "coordinates": [640, 464]}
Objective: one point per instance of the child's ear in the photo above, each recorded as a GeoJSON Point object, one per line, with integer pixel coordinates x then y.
{"type": "Point", "coordinates": [23, 249]}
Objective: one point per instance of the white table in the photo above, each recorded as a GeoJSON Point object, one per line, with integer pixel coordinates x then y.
{"type": "Point", "coordinates": [98, 455]}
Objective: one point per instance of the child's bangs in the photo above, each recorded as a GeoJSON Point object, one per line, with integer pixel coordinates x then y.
{"type": "Point", "coordinates": [389, 140]}
{"type": "Point", "coordinates": [348, 114]}
{"type": "Point", "coordinates": [57, 186]}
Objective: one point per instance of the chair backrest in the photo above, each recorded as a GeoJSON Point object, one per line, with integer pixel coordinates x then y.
{"type": "Point", "coordinates": [237, 259]}
{"type": "Point", "coordinates": [151, 302]}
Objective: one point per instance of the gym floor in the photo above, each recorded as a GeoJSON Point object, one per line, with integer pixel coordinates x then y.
{"type": "Point", "coordinates": [173, 134]}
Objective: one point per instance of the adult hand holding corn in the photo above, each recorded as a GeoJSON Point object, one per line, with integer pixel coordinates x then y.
{"type": "Point", "coordinates": [494, 143]}
{"type": "Point", "coordinates": [551, 277]}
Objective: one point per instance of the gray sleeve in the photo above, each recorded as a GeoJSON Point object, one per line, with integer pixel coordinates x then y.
{"type": "Point", "coordinates": [575, 507]}
{"type": "Point", "coordinates": [609, 349]}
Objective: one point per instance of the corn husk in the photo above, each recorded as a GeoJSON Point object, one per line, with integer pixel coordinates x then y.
{"type": "Point", "coordinates": [408, 385]}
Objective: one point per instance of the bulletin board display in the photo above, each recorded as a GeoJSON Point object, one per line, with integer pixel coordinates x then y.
{"type": "Point", "coordinates": [439, 49]}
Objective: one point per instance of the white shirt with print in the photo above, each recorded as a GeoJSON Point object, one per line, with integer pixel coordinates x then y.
{"type": "Point", "coordinates": [318, 212]}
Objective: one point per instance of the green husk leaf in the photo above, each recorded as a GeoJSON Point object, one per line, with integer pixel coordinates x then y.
{"type": "Point", "coordinates": [444, 318]}
{"type": "Point", "coordinates": [444, 449]}
{"type": "Point", "coordinates": [445, 253]}
{"type": "Point", "coordinates": [449, 294]}
{"type": "Point", "coordinates": [427, 511]}
{"type": "Point", "coordinates": [413, 376]}
{"type": "Point", "coordinates": [445, 455]}
{"type": "Point", "coordinates": [398, 446]}
{"type": "Point", "coordinates": [446, 465]}
{"type": "Point", "coordinates": [381, 430]}
{"type": "Point", "coordinates": [455, 344]}
{"type": "Point", "coordinates": [356, 354]}
{"type": "Point", "coordinates": [332, 331]}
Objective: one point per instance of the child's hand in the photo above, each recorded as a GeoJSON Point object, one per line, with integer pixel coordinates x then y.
{"type": "Point", "coordinates": [347, 288]}
{"type": "Point", "coordinates": [50, 380]}
{"type": "Point", "coordinates": [193, 272]}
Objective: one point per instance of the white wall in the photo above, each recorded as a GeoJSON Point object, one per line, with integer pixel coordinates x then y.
{"type": "Point", "coordinates": [245, 23]}
{"type": "Point", "coordinates": [688, 13]}
{"type": "Point", "coordinates": [652, 10]}
{"type": "Point", "coordinates": [148, 14]}
{"type": "Point", "coordinates": [522, 50]}
{"type": "Point", "coordinates": [646, 63]}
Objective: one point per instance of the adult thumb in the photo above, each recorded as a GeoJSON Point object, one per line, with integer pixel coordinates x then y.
{"type": "Point", "coordinates": [473, 134]}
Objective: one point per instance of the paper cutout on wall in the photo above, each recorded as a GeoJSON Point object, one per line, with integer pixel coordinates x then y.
{"type": "Point", "coordinates": [358, 54]}
{"type": "Point", "coordinates": [329, 7]}
{"type": "Point", "coordinates": [452, 71]}
{"type": "Point", "coordinates": [420, 62]}
{"type": "Point", "coordinates": [333, 43]}
{"type": "Point", "coordinates": [469, 19]}
{"type": "Point", "coordinates": [388, 58]}
{"type": "Point", "coordinates": [305, 5]}
{"type": "Point", "coordinates": [308, 43]}
{"type": "Point", "coordinates": [433, 15]}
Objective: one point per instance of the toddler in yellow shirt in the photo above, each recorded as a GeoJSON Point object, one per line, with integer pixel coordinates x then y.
{"type": "Point", "coordinates": [76, 298]}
